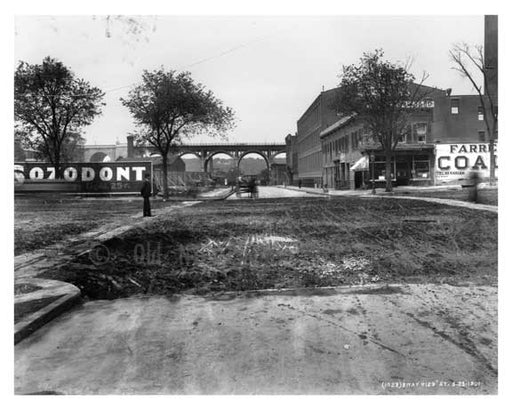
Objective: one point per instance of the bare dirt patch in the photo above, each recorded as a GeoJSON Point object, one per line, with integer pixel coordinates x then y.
{"type": "Point", "coordinates": [42, 220]}
{"type": "Point", "coordinates": [221, 246]}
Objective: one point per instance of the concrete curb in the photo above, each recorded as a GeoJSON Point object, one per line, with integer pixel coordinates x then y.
{"type": "Point", "coordinates": [26, 270]}
{"type": "Point", "coordinates": [68, 296]}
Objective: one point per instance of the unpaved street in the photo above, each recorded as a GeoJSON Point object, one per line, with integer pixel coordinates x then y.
{"type": "Point", "coordinates": [419, 339]}
{"type": "Point", "coordinates": [265, 192]}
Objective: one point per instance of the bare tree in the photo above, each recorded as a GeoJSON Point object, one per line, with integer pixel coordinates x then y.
{"type": "Point", "coordinates": [468, 59]}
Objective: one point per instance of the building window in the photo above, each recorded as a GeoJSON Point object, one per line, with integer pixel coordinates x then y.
{"type": "Point", "coordinates": [354, 140]}
{"type": "Point", "coordinates": [481, 136]}
{"type": "Point", "coordinates": [420, 131]}
{"type": "Point", "coordinates": [480, 113]}
{"type": "Point", "coordinates": [408, 134]}
{"type": "Point", "coordinates": [380, 168]}
{"type": "Point", "coordinates": [454, 106]}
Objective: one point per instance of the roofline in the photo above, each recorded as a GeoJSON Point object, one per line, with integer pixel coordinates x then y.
{"type": "Point", "coordinates": [462, 95]}
{"type": "Point", "coordinates": [314, 102]}
{"type": "Point", "coordinates": [346, 123]}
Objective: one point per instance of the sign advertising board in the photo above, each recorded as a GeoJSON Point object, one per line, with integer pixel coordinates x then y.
{"type": "Point", "coordinates": [455, 161]}
{"type": "Point", "coordinates": [86, 176]}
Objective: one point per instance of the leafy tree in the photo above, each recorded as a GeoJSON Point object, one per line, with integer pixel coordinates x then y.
{"type": "Point", "coordinates": [51, 105]}
{"type": "Point", "coordinates": [169, 106]}
{"type": "Point", "coordinates": [382, 95]}
{"type": "Point", "coordinates": [72, 147]}
{"type": "Point", "coordinates": [466, 60]}
{"type": "Point", "coordinates": [19, 153]}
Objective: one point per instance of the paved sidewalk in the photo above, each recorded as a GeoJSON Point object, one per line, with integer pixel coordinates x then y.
{"type": "Point", "coordinates": [359, 340]}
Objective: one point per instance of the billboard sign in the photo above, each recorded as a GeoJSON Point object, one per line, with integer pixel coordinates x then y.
{"type": "Point", "coordinates": [455, 161]}
{"type": "Point", "coordinates": [86, 176]}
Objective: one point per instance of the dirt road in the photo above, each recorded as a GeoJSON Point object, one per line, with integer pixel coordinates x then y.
{"type": "Point", "coordinates": [265, 192]}
{"type": "Point", "coordinates": [419, 339]}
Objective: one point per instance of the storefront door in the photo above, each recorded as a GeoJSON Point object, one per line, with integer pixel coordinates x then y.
{"type": "Point", "coordinates": [403, 173]}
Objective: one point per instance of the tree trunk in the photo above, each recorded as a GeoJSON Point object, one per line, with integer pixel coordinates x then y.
{"type": "Point", "coordinates": [389, 183]}
{"type": "Point", "coordinates": [492, 172]}
{"type": "Point", "coordinates": [164, 177]}
{"type": "Point", "coordinates": [56, 164]}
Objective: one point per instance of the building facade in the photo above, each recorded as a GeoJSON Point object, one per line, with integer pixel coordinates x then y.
{"type": "Point", "coordinates": [346, 146]}
{"type": "Point", "coordinates": [446, 137]}
{"type": "Point", "coordinates": [305, 145]}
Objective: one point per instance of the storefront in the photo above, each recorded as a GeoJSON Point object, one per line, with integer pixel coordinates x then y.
{"type": "Point", "coordinates": [360, 171]}
{"type": "Point", "coordinates": [409, 166]}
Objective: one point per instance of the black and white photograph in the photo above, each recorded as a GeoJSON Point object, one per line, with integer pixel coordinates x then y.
{"type": "Point", "coordinates": [255, 204]}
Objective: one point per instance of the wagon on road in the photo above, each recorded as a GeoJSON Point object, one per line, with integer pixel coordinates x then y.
{"type": "Point", "coordinates": [247, 187]}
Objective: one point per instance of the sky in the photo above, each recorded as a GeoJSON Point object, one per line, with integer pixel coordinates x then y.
{"type": "Point", "coordinates": [268, 69]}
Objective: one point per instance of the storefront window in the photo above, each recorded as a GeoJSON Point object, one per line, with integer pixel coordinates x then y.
{"type": "Point", "coordinates": [420, 167]}
{"type": "Point", "coordinates": [421, 170]}
{"type": "Point", "coordinates": [380, 170]}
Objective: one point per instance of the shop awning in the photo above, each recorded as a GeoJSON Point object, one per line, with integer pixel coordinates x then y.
{"type": "Point", "coordinates": [360, 165]}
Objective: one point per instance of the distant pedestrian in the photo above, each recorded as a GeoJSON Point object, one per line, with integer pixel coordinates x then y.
{"type": "Point", "coordinates": [146, 193]}
{"type": "Point", "coordinates": [474, 178]}
{"type": "Point", "coordinates": [300, 183]}
{"type": "Point", "coordinates": [252, 188]}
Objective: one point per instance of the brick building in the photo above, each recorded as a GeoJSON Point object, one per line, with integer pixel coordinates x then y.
{"type": "Point", "coordinates": [332, 150]}
{"type": "Point", "coordinates": [305, 147]}
{"type": "Point", "coordinates": [446, 138]}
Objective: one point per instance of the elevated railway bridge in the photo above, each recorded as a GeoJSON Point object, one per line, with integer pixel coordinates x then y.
{"type": "Point", "coordinates": [203, 151]}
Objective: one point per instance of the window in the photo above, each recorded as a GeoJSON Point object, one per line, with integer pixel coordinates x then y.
{"type": "Point", "coordinates": [454, 106]}
{"type": "Point", "coordinates": [421, 170]}
{"type": "Point", "coordinates": [354, 140]}
{"type": "Point", "coordinates": [481, 136]}
{"type": "Point", "coordinates": [480, 113]}
{"type": "Point", "coordinates": [408, 134]}
{"type": "Point", "coordinates": [420, 131]}
{"type": "Point", "coordinates": [420, 167]}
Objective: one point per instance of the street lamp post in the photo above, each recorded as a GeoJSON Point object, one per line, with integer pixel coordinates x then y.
{"type": "Point", "coordinates": [372, 160]}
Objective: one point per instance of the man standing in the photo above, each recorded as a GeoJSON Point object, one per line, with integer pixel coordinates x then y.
{"type": "Point", "coordinates": [146, 193]}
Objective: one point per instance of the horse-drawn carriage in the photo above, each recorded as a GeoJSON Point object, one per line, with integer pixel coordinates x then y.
{"type": "Point", "coordinates": [247, 187]}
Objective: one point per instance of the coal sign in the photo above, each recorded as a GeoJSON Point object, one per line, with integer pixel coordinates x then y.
{"type": "Point", "coordinates": [455, 161]}
{"type": "Point", "coordinates": [87, 176]}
